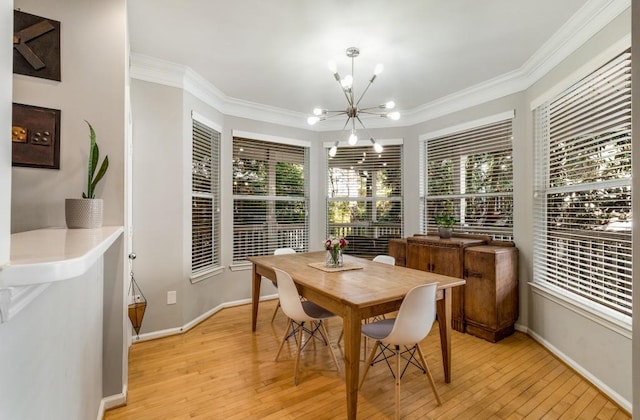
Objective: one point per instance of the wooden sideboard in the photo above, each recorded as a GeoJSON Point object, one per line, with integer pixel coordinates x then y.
{"type": "Point", "coordinates": [487, 306]}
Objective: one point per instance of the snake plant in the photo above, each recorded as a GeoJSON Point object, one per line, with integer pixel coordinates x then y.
{"type": "Point", "coordinates": [94, 156]}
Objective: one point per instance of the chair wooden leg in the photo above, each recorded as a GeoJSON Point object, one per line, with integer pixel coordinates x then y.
{"type": "Point", "coordinates": [397, 382]}
{"type": "Point", "coordinates": [284, 338]}
{"type": "Point", "coordinates": [275, 311]}
{"type": "Point", "coordinates": [323, 331]}
{"type": "Point", "coordinates": [295, 374]}
{"type": "Point", "coordinates": [426, 368]}
{"type": "Point", "coordinates": [367, 364]}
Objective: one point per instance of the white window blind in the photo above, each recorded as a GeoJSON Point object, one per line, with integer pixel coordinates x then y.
{"type": "Point", "coordinates": [364, 198]}
{"type": "Point", "coordinates": [205, 199]}
{"type": "Point", "coordinates": [270, 198]}
{"type": "Point", "coordinates": [469, 174]}
{"type": "Point", "coordinates": [582, 231]}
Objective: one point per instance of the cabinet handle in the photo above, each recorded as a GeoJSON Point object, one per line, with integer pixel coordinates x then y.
{"type": "Point", "coordinates": [469, 273]}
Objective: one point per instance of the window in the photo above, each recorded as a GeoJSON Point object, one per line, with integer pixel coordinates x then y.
{"type": "Point", "coordinates": [364, 197]}
{"type": "Point", "coordinates": [469, 174]}
{"type": "Point", "coordinates": [205, 198]}
{"type": "Point", "coordinates": [270, 197]}
{"type": "Point", "coordinates": [582, 231]}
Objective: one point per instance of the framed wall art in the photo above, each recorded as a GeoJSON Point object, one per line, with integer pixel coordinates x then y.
{"type": "Point", "coordinates": [35, 137]}
{"type": "Point", "coordinates": [36, 46]}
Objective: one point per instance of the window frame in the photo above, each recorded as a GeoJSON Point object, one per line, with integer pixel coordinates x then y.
{"type": "Point", "coordinates": [459, 195]}
{"type": "Point", "coordinates": [382, 231]}
{"type": "Point", "coordinates": [301, 243]}
{"type": "Point", "coordinates": [589, 306]}
{"type": "Point", "coordinates": [213, 265]}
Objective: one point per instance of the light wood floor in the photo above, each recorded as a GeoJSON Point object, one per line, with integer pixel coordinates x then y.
{"type": "Point", "coordinates": [221, 370]}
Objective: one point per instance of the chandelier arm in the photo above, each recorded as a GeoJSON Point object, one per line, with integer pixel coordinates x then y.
{"type": "Point", "coordinates": [365, 129]}
{"type": "Point", "coordinates": [378, 114]}
{"type": "Point", "coordinates": [363, 92]}
{"type": "Point", "coordinates": [337, 114]}
{"type": "Point", "coordinates": [346, 123]}
{"type": "Point", "coordinates": [369, 108]}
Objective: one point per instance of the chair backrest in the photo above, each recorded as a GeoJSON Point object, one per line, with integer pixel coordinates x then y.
{"type": "Point", "coordinates": [415, 317]}
{"type": "Point", "coordinates": [289, 297]}
{"type": "Point", "coordinates": [282, 251]}
{"type": "Point", "coordinates": [385, 259]}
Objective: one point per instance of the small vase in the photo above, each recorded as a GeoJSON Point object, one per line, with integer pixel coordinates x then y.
{"type": "Point", "coordinates": [444, 232]}
{"type": "Point", "coordinates": [83, 213]}
{"type": "Point", "coordinates": [334, 259]}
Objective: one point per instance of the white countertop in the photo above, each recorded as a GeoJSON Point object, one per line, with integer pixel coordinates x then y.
{"type": "Point", "coordinates": [49, 255]}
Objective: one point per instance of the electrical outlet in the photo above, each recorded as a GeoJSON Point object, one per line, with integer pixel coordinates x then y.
{"type": "Point", "coordinates": [171, 297]}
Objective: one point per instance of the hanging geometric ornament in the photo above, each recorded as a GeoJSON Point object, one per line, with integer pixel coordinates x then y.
{"type": "Point", "coordinates": [137, 302]}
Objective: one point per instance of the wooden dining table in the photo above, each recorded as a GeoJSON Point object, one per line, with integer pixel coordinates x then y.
{"type": "Point", "coordinates": [364, 289]}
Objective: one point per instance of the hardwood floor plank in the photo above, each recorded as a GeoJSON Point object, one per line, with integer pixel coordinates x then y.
{"type": "Point", "coordinates": [220, 369]}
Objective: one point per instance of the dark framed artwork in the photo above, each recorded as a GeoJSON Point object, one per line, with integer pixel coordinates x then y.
{"type": "Point", "coordinates": [36, 46]}
{"type": "Point", "coordinates": [35, 137]}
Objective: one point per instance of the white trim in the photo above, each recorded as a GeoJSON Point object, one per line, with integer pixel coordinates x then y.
{"type": "Point", "coordinates": [189, 325]}
{"type": "Point", "coordinates": [209, 272]}
{"type": "Point", "coordinates": [582, 72]}
{"type": "Point", "coordinates": [206, 121]}
{"type": "Point", "coordinates": [17, 298]}
{"type": "Point", "coordinates": [574, 304]}
{"type": "Point", "coordinates": [468, 125]}
{"type": "Point", "coordinates": [270, 138]}
{"type": "Point", "coordinates": [364, 142]}
{"type": "Point", "coordinates": [241, 267]}
{"type": "Point", "coordinates": [112, 401]}
{"type": "Point", "coordinates": [604, 388]}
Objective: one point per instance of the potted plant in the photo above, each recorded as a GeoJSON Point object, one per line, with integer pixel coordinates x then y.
{"type": "Point", "coordinates": [445, 222]}
{"type": "Point", "coordinates": [86, 212]}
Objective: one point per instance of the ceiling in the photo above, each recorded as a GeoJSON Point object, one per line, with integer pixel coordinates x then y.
{"type": "Point", "coordinates": [275, 53]}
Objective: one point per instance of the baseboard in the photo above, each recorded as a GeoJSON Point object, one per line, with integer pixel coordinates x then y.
{"type": "Point", "coordinates": [186, 327]}
{"type": "Point", "coordinates": [604, 388]}
{"type": "Point", "coordinates": [112, 401]}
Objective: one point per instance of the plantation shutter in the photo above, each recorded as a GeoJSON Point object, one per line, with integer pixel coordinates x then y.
{"type": "Point", "coordinates": [364, 198]}
{"type": "Point", "coordinates": [582, 231]}
{"type": "Point", "coordinates": [205, 199]}
{"type": "Point", "coordinates": [469, 174]}
{"type": "Point", "coordinates": [270, 197]}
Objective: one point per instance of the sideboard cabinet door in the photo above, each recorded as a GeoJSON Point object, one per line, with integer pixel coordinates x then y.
{"type": "Point", "coordinates": [491, 292]}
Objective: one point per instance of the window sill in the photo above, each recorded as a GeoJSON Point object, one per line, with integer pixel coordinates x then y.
{"type": "Point", "coordinates": [202, 275]}
{"type": "Point", "coordinates": [618, 323]}
{"type": "Point", "coordinates": [241, 267]}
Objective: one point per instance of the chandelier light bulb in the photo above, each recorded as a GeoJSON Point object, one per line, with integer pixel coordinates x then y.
{"type": "Point", "coordinates": [347, 82]}
{"type": "Point", "coordinates": [353, 138]}
{"type": "Point", "coordinates": [390, 105]}
{"type": "Point", "coordinates": [312, 120]}
{"type": "Point", "coordinates": [318, 111]}
{"type": "Point", "coordinates": [378, 147]}
{"type": "Point", "coordinates": [393, 116]}
{"type": "Point", "coordinates": [379, 69]}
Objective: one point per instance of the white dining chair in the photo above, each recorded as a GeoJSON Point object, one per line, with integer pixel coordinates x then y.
{"type": "Point", "coordinates": [301, 313]}
{"type": "Point", "coordinates": [385, 259]}
{"type": "Point", "coordinates": [280, 251]}
{"type": "Point", "coordinates": [412, 324]}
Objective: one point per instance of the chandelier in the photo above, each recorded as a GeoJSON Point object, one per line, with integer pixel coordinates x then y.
{"type": "Point", "coordinates": [353, 111]}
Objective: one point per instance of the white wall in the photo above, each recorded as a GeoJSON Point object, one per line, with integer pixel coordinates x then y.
{"type": "Point", "coordinates": [52, 353]}
{"type": "Point", "coordinates": [93, 61]}
{"type": "Point", "coordinates": [94, 57]}
{"type": "Point", "coordinates": [6, 69]}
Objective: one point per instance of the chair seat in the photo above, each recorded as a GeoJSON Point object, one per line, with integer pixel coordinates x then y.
{"type": "Point", "coordinates": [316, 311]}
{"type": "Point", "coordinates": [378, 330]}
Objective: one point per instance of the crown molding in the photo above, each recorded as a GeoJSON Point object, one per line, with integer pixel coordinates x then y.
{"type": "Point", "coordinates": [585, 23]}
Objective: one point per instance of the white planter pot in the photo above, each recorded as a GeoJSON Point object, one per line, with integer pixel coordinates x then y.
{"type": "Point", "coordinates": [83, 213]}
